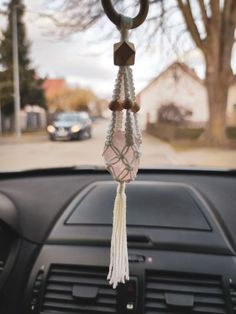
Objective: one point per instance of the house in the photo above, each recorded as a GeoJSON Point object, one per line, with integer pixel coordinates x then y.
{"type": "Point", "coordinates": [180, 85]}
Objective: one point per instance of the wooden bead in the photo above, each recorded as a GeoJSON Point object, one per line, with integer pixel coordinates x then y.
{"type": "Point", "coordinates": [124, 53]}
{"type": "Point", "coordinates": [115, 105]}
{"type": "Point", "coordinates": [128, 104]}
{"type": "Point", "coordinates": [135, 107]}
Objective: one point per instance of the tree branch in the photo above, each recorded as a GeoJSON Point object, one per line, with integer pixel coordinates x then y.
{"type": "Point", "coordinates": [215, 8]}
{"type": "Point", "coordinates": [226, 10]}
{"type": "Point", "coordinates": [191, 25]}
{"type": "Point", "coordinates": [227, 37]}
{"type": "Point", "coordinates": [204, 15]}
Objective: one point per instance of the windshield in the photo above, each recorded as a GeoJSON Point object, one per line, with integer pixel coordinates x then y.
{"type": "Point", "coordinates": [67, 117]}
{"type": "Point", "coordinates": [58, 80]}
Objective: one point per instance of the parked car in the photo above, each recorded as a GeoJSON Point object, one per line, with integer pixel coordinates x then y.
{"type": "Point", "coordinates": [70, 126]}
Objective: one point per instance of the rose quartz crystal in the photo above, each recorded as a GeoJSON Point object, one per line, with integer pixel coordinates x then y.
{"type": "Point", "coordinates": [122, 160]}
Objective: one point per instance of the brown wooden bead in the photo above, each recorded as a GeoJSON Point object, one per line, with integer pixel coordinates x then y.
{"type": "Point", "coordinates": [135, 107]}
{"type": "Point", "coordinates": [124, 53]}
{"type": "Point", "coordinates": [115, 105]}
{"type": "Point", "coordinates": [128, 104]}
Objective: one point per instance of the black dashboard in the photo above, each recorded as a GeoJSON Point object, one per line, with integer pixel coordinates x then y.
{"type": "Point", "coordinates": [55, 229]}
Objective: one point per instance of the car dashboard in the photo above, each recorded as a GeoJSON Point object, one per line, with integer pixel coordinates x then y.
{"type": "Point", "coordinates": [55, 230]}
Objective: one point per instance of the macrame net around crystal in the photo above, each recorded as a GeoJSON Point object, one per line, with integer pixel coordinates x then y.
{"type": "Point", "coordinates": [122, 147]}
{"type": "Point", "coordinates": [122, 156]}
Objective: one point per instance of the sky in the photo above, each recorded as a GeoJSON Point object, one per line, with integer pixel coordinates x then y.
{"type": "Point", "coordinates": [84, 61]}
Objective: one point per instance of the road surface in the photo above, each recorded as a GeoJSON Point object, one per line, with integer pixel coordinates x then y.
{"type": "Point", "coordinates": [36, 151]}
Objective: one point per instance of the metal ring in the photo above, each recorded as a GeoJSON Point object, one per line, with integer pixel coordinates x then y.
{"type": "Point", "coordinates": [116, 17]}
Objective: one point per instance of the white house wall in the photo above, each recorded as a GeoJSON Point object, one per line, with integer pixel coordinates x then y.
{"type": "Point", "coordinates": [186, 91]}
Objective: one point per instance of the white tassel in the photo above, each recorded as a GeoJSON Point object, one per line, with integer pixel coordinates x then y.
{"type": "Point", "coordinates": [119, 262]}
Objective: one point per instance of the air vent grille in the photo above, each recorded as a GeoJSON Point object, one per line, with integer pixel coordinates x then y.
{"type": "Point", "coordinates": [181, 293]}
{"type": "Point", "coordinates": [66, 288]}
{"type": "Point", "coordinates": [232, 291]}
{"type": "Point", "coordinates": [7, 238]}
{"type": "Point", "coordinates": [1, 266]}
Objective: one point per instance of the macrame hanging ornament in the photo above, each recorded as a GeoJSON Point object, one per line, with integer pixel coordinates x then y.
{"type": "Point", "coordinates": [122, 150]}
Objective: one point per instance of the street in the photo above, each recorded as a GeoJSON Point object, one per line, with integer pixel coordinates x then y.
{"type": "Point", "coordinates": [36, 151]}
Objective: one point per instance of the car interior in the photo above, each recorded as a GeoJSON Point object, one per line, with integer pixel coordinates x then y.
{"type": "Point", "coordinates": [62, 223]}
{"type": "Point", "coordinates": [55, 242]}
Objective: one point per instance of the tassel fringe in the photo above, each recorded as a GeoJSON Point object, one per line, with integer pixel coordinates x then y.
{"type": "Point", "coordinates": [119, 262]}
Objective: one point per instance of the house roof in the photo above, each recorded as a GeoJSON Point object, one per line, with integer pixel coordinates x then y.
{"type": "Point", "coordinates": [53, 86]}
{"type": "Point", "coordinates": [180, 65]}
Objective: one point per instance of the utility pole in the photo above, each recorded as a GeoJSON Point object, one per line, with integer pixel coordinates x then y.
{"type": "Point", "coordinates": [0, 119]}
{"type": "Point", "coordinates": [16, 73]}
{"type": "Point", "coordinates": [1, 127]}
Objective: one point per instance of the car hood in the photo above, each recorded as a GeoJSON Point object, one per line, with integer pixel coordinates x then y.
{"type": "Point", "coordinates": [64, 124]}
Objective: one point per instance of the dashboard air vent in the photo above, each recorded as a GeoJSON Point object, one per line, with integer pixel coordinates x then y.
{"type": "Point", "coordinates": [232, 291]}
{"type": "Point", "coordinates": [1, 266]}
{"type": "Point", "coordinates": [78, 289]}
{"type": "Point", "coordinates": [36, 290]}
{"type": "Point", "coordinates": [181, 293]}
{"type": "Point", "coordinates": [7, 240]}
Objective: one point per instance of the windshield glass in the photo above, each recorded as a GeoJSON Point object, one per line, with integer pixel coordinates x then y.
{"type": "Point", "coordinates": [58, 78]}
{"type": "Point", "coordinates": [67, 117]}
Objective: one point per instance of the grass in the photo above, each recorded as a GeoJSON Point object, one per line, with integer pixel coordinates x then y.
{"type": "Point", "coordinates": [231, 133]}
{"type": "Point", "coordinates": [182, 145]}
{"type": "Point", "coordinates": [195, 133]}
{"type": "Point", "coordinates": [188, 134]}
{"type": "Point", "coordinates": [186, 138]}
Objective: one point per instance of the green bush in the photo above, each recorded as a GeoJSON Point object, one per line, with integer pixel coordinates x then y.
{"type": "Point", "coordinates": [169, 132]}
{"type": "Point", "coordinates": [231, 132]}
{"type": "Point", "coordinates": [188, 133]}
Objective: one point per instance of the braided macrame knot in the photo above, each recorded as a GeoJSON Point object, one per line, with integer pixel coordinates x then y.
{"type": "Point", "coordinates": [122, 152]}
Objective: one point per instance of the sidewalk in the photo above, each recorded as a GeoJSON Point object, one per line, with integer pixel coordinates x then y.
{"type": "Point", "coordinates": [25, 138]}
{"type": "Point", "coordinates": [208, 157]}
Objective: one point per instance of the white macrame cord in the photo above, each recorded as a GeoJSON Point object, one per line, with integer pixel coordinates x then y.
{"type": "Point", "coordinates": [119, 264]}
{"type": "Point", "coordinates": [122, 155]}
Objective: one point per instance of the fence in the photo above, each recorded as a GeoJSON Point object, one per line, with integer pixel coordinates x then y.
{"type": "Point", "coordinates": [32, 118]}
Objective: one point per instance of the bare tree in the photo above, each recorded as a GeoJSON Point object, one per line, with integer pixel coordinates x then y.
{"type": "Point", "coordinates": [211, 25]}
{"type": "Point", "coordinates": [219, 20]}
